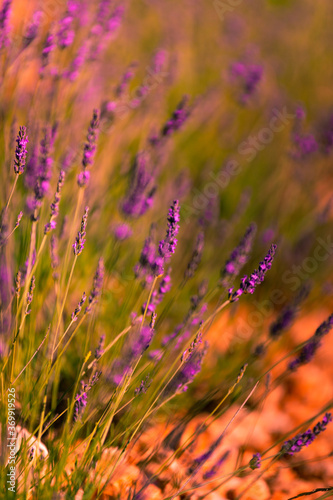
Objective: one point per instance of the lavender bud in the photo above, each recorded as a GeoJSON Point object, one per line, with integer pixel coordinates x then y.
{"type": "Point", "coordinates": [100, 349]}
{"type": "Point", "coordinates": [78, 308]}
{"type": "Point", "coordinates": [81, 235]}
{"type": "Point", "coordinates": [89, 149]}
{"type": "Point", "coordinates": [30, 295]}
{"type": "Point", "coordinates": [21, 151]}
{"type": "Point", "coordinates": [55, 205]}
{"type": "Point", "coordinates": [298, 442]}
{"type": "Point", "coordinates": [195, 260]}
{"type": "Point", "coordinates": [255, 462]}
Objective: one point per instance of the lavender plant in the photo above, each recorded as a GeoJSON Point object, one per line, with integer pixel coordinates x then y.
{"type": "Point", "coordinates": [118, 265]}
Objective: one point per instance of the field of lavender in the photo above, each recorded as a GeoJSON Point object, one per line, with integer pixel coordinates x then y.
{"type": "Point", "coordinates": [166, 249]}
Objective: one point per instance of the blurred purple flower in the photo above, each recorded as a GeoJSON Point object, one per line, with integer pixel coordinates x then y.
{"type": "Point", "coordinates": [65, 32]}
{"type": "Point", "coordinates": [248, 76]}
{"type": "Point", "coordinates": [4, 24]}
{"type": "Point", "coordinates": [167, 246]}
{"type": "Point", "coordinates": [97, 285]}
{"type": "Point", "coordinates": [32, 29]}
{"type": "Point", "coordinates": [312, 345]}
{"type": "Point", "coordinates": [255, 462]}
{"type": "Point", "coordinates": [122, 232]}
{"type": "Point", "coordinates": [139, 197]}
{"type": "Point", "coordinates": [81, 236]}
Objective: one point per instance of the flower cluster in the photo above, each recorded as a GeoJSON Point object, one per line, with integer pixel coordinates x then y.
{"type": "Point", "coordinates": [80, 240]}
{"type": "Point", "coordinates": [249, 284]}
{"type": "Point", "coordinates": [89, 150]}
{"type": "Point", "coordinates": [21, 151]}
{"type": "Point", "coordinates": [298, 442]}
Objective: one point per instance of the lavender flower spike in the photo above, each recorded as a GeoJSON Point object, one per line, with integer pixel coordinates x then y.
{"type": "Point", "coordinates": [81, 235]}
{"type": "Point", "coordinates": [4, 28]}
{"type": "Point", "coordinates": [298, 442]}
{"type": "Point", "coordinates": [55, 205]}
{"type": "Point", "coordinates": [168, 246]}
{"type": "Point", "coordinates": [21, 151]}
{"type": "Point", "coordinates": [89, 150]}
{"type": "Point", "coordinates": [249, 284]}
{"type": "Point", "coordinates": [195, 260]}
{"type": "Point", "coordinates": [97, 285]}
{"type": "Point", "coordinates": [310, 348]}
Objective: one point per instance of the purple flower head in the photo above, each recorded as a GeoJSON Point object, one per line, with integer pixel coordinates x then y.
{"type": "Point", "coordinates": [21, 151]}
{"type": "Point", "coordinates": [30, 295]}
{"type": "Point", "coordinates": [195, 260]}
{"type": "Point", "coordinates": [100, 349]}
{"type": "Point", "coordinates": [81, 398]}
{"type": "Point", "coordinates": [65, 32]}
{"type": "Point", "coordinates": [89, 149]}
{"type": "Point", "coordinates": [192, 360]}
{"type": "Point", "coordinates": [97, 285]}
{"type": "Point", "coordinates": [238, 257]}
{"type": "Point", "coordinates": [178, 118]}
{"type": "Point", "coordinates": [147, 258]}
{"type": "Point", "coordinates": [55, 205]}
{"type": "Point", "coordinates": [45, 165]}
{"type": "Point", "coordinates": [158, 295]}
{"type": "Point", "coordinates": [136, 344]}
{"type": "Point", "coordinates": [304, 146]}
{"type": "Point", "coordinates": [310, 348]}
{"type": "Point", "coordinates": [4, 24]}
{"type": "Point", "coordinates": [32, 30]}
{"type": "Point", "coordinates": [145, 384]}
{"type": "Point", "coordinates": [298, 442]}
{"type": "Point", "coordinates": [167, 246]}
{"type": "Point", "coordinates": [122, 232]}
{"type": "Point", "coordinates": [248, 76]}
{"type": "Point", "coordinates": [255, 462]}
{"type": "Point", "coordinates": [202, 459]}
{"type": "Point", "coordinates": [78, 308]}
{"type": "Point", "coordinates": [126, 78]}
{"type": "Point", "coordinates": [81, 236]}
{"type": "Point", "coordinates": [249, 284]}
{"type": "Point", "coordinates": [73, 71]}
{"type": "Point", "coordinates": [288, 314]}
{"type": "Point", "coordinates": [140, 195]}
{"type": "Point", "coordinates": [49, 46]}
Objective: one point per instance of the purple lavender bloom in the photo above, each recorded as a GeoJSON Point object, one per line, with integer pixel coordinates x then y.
{"type": "Point", "coordinates": [97, 285]}
{"type": "Point", "coordinates": [73, 71]}
{"type": "Point", "coordinates": [249, 284]}
{"type": "Point", "coordinates": [239, 257]}
{"type": "Point", "coordinates": [78, 308]}
{"type": "Point", "coordinates": [158, 295]}
{"type": "Point", "coordinates": [49, 46]}
{"type": "Point", "coordinates": [30, 295]}
{"type": "Point", "coordinates": [32, 30]}
{"type": "Point", "coordinates": [100, 349]}
{"type": "Point", "coordinates": [21, 151]}
{"type": "Point", "coordinates": [89, 149]}
{"type": "Point", "coordinates": [202, 459]}
{"type": "Point", "coordinates": [288, 314]}
{"type": "Point", "coordinates": [81, 236]}
{"type": "Point", "coordinates": [190, 367]}
{"type": "Point", "coordinates": [127, 77]}
{"type": "Point", "coordinates": [55, 205]}
{"type": "Point", "coordinates": [178, 118]}
{"type": "Point", "coordinates": [4, 24]}
{"type": "Point", "coordinates": [167, 246]}
{"type": "Point", "coordinates": [312, 345]}
{"type": "Point", "coordinates": [137, 343]}
{"type": "Point", "coordinates": [66, 32]}
{"type": "Point", "coordinates": [195, 260]}
{"type": "Point", "coordinates": [248, 76]}
{"type": "Point", "coordinates": [304, 146]}
{"type": "Point", "coordinates": [255, 462]}
{"type": "Point", "coordinates": [141, 192]}
{"type": "Point", "coordinates": [122, 232]}
{"type": "Point", "coordinates": [45, 165]}
{"type": "Point", "coordinates": [31, 170]}
{"type": "Point", "coordinates": [147, 257]}
{"type": "Point", "coordinates": [145, 384]}
{"type": "Point", "coordinates": [81, 398]}
{"type": "Point", "coordinates": [298, 442]}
